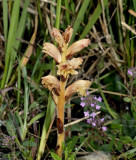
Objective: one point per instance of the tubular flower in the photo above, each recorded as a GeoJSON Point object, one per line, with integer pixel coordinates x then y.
{"type": "Point", "coordinates": [69, 67]}
{"type": "Point", "coordinates": [75, 62]}
{"type": "Point", "coordinates": [52, 83]}
{"type": "Point", "coordinates": [63, 41]}
{"type": "Point", "coordinates": [79, 86]}
{"type": "Point", "coordinates": [53, 51]}
{"type": "Point", "coordinates": [65, 69]}
{"type": "Point", "coordinates": [58, 38]}
{"type": "Point", "coordinates": [68, 34]}
{"type": "Point", "coordinates": [76, 47]}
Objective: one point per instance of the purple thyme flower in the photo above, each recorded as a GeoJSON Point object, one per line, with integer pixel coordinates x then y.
{"type": "Point", "coordinates": [86, 114]}
{"type": "Point", "coordinates": [93, 124]}
{"type": "Point", "coordinates": [95, 98]}
{"type": "Point", "coordinates": [98, 107]}
{"type": "Point", "coordinates": [92, 104]}
{"type": "Point", "coordinates": [104, 129]}
{"type": "Point", "coordinates": [8, 140]}
{"type": "Point", "coordinates": [93, 114]}
{"type": "Point", "coordinates": [82, 104]}
{"type": "Point", "coordinates": [89, 120]}
{"type": "Point", "coordinates": [87, 93]}
{"type": "Point", "coordinates": [102, 119]}
{"type": "Point", "coordinates": [99, 99]}
{"type": "Point", "coordinates": [130, 72]}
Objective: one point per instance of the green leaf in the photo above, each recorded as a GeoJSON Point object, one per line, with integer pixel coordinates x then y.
{"type": "Point", "coordinates": [67, 106]}
{"type": "Point", "coordinates": [76, 127]}
{"type": "Point", "coordinates": [82, 139]}
{"type": "Point", "coordinates": [119, 146]}
{"type": "Point", "coordinates": [72, 157]}
{"type": "Point", "coordinates": [33, 106]}
{"type": "Point", "coordinates": [55, 156]}
{"type": "Point", "coordinates": [134, 142]}
{"type": "Point", "coordinates": [36, 118]}
{"type": "Point", "coordinates": [10, 127]}
{"type": "Point", "coordinates": [129, 153]}
{"type": "Point", "coordinates": [127, 99]}
{"type": "Point", "coordinates": [29, 143]}
{"type": "Point", "coordinates": [127, 140]}
{"type": "Point", "coordinates": [72, 143]}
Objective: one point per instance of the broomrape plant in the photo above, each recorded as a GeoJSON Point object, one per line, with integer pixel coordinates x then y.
{"type": "Point", "coordinates": [66, 65]}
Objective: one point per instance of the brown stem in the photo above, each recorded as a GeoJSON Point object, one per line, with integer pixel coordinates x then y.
{"type": "Point", "coordinates": [60, 118]}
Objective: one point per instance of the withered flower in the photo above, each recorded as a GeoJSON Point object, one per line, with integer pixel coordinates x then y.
{"type": "Point", "coordinates": [75, 62]}
{"type": "Point", "coordinates": [68, 34]}
{"type": "Point", "coordinates": [79, 87]}
{"type": "Point", "coordinates": [76, 47]}
{"type": "Point", "coordinates": [63, 41]}
{"type": "Point", "coordinates": [58, 37]}
{"type": "Point", "coordinates": [52, 50]}
{"type": "Point", "coordinates": [51, 83]}
{"type": "Point", "coordinates": [65, 69]}
{"type": "Point", "coordinates": [68, 67]}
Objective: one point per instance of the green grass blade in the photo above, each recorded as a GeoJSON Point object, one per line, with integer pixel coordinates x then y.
{"type": "Point", "coordinates": [93, 19]}
{"type": "Point", "coordinates": [67, 13]}
{"type": "Point", "coordinates": [26, 101]}
{"type": "Point", "coordinates": [47, 122]}
{"type": "Point", "coordinates": [79, 18]}
{"type": "Point", "coordinates": [19, 35]}
{"type": "Point", "coordinates": [109, 26]}
{"type": "Point", "coordinates": [120, 35]}
{"type": "Point", "coordinates": [41, 20]}
{"type": "Point", "coordinates": [18, 85]}
{"type": "Point", "coordinates": [5, 20]}
{"type": "Point", "coordinates": [134, 5]}
{"type": "Point", "coordinates": [11, 39]}
{"type": "Point", "coordinates": [36, 118]}
{"type": "Point", "coordinates": [36, 65]}
{"type": "Point", "coordinates": [20, 122]}
{"type": "Point", "coordinates": [111, 112]}
{"type": "Point", "coordinates": [58, 11]}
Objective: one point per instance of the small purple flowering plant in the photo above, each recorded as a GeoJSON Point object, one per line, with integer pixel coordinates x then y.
{"type": "Point", "coordinates": [92, 106]}
{"type": "Point", "coordinates": [132, 72]}
{"type": "Point", "coordinates": [8, 141]}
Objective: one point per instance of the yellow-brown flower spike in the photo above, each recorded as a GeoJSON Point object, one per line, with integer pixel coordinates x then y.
{"type": "Point", "coordinates": [66, 66]}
